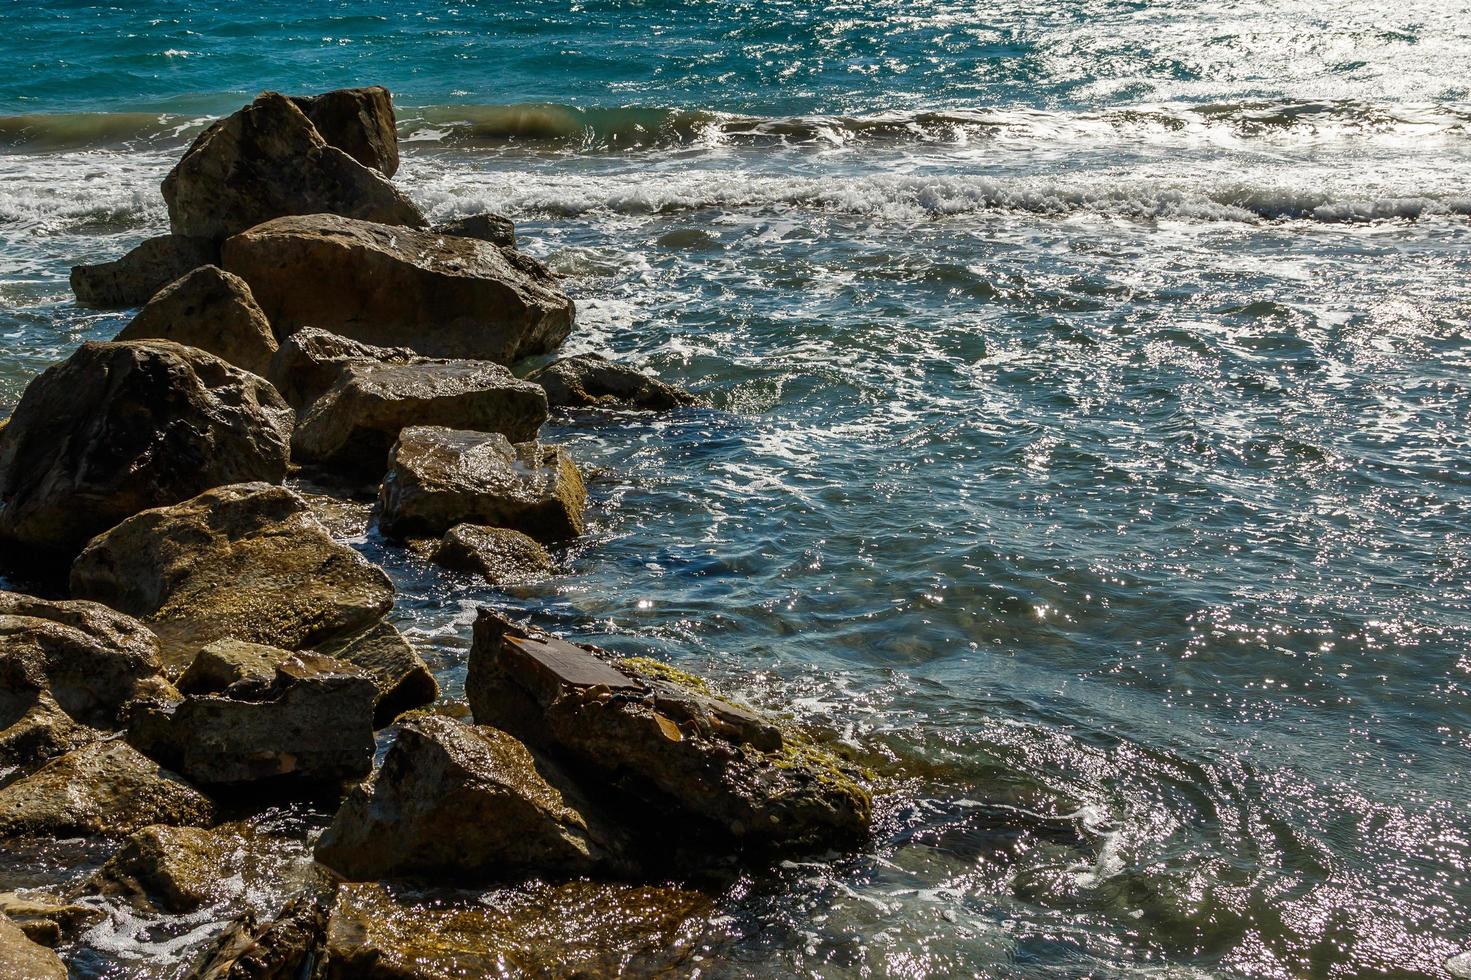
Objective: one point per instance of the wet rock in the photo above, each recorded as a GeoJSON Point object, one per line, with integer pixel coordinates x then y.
{"type": "Point", "coordinates": [591, 380]}
{"type": "Point", "coordinates": [342, 516]}
{"type": "Point", "coordinates": [133, 279]}
{"type": "Point", "coordinates": [121, 427]}
{"type": "Point", "coordinates": [358, 121]}
{"type": "Point", "coordinates": [46, 919]}
{"type": "Point", "coordinates": [171, 869]}
{"type": "Point", "coordinates": [210, 309]}
{"type": "Point", "coordinates": [226, 664]}
{"type": "Point", "coordinates": [463, 802]}
{"type": "Point", "coordinates": [687, 762]}
{"type": "Point", "coordinates": [308, 732]}
{"type": "Point", "coordinates": [40, 732]}
{"type": "Point", "coordinates": [439, 295]}
{"type": "Point", "coordinates": [26, 960]}
{"type": "Point", "coordinates": [246, 562]}
{"type": "Point", "coordinates": [502, 556]}
{"type": "Point", "coordinates": [311, 360]}
{"type": "Point", "coordinates": [488, 227]}
{"type": "Point", "coordinates": [284, 948]}
{"type": "Point", "coordinates": [353, 425]}
{"type": "Point", "coordinates": [438, 478]}
{"type": "Point", "coordinates": [268, 160]}
{"type": "Point", "coordinates": [401, 676]}
{"type": "Point", "coordinates": [105, 787]}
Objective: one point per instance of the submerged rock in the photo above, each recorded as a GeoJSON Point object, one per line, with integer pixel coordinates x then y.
{"type": "Point", "coordinates": [463, 802]}
{"type": "Point", "coordinates": [121, 427]}
{"type": "Point", "coordinates": [438, 478]}
{"type": "Point", "coordinates": [133, 279]}
{"type": "Point", "coordinates": [359, 122]}
{"type": "Point", "coordinates": [439, 295]}
{"type": "Point", "coordinates": [283, 948]}
{"type": "Point", "coordinates": [267, 160]}
{"type": "Point", "coordinates": [246, 562]}
{"type": "Point", "coordinates": [502, 556]}
{"type": "Point", "coordinates": [212, 310]}
{"type": "Point", "coordinates": [26, 960]}
{"type": "Point", "coordinates": [353, 425]}
{"type": "Point", "coordinates": [494, 228]}
{"type": "Point", "coordinates": [403, 680]}
{"type": "Point", "coordinates": [311, 360]}
{"type": "Point", "coordinates": [591, 380]}
{"type": "Point", "coordinates": [105, 787]}
{"type": "Point", "coordinates": [171, 869]}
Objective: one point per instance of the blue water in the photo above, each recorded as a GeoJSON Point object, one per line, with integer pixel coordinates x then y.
{"type": "Point", "coordinates": [1093, 405]}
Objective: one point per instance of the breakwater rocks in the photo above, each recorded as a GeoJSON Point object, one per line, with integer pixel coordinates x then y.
{"type": "Point", "coordinates": [208, 650]}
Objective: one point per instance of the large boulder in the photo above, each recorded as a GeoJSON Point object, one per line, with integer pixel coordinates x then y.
{"type": "Point", "coordinates": [401, 676]}
{"type": "Point", "coordinates": [22, 959]}
{"type": "Point", "coordinates": [105, 787]}
{"type": "Point", "coordinates": [439, 477]}
{"type": "Point", "coordinates": [267, 160]}
{"type": "Point", "coordinates": [359, 122]}
{"type": "Point", "coordinates": [353, 425]}
{"type": "Point", "coordinates": [593, 381]}
{"type": "Point", "coordinates": [212, 310]}
{"type": "Point", "coordinates": [247, 562]}
{"type": "Point", "coordinates": [121, 427]}
{"type": "Point", "coordinates": [500, 555]}
{"type": "Point", "coordinates": [133, 279]}
{"type": "Point", "coordinates": [311, 360]}
{"type": "Point", "coordinates": [488, 227]}
{"type": "Point", "coordinates": [695, 765]}
{"type": "Point", "coordinates": [439, 295]}
{"type": "Point", "coordinates": [463, 802]}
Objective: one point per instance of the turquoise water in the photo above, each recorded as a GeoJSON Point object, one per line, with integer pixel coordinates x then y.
{"type": "Point", "coordinates": [1091, 430]}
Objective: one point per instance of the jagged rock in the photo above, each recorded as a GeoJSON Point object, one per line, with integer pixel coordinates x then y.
{"type": "Point", "coordinates": [353, 425]}
{"type": "Point", "coordinates": [503, 556]}
{"type": "Point", "coordinates": [282, 949]}
{"type": "Point", "coordinates": [26, 960]}
{"type": "Point", "coordinates": [121, 427]}
{"type": "Point", "coordinates": [171, 869]}
{"type": "Point", "coordinates": [212, 310]}
{"type": "Point", "coordinates": [569, 929]}
{"type": "Point", "coordinates": [46, 919]}
{"type": "Point", "coordinates": [310, 730]}
{"type": "Point", "coordinates": [359, 122]}
{"type": "Point", "coordinates": [591, 380]}
{"type": "Point", "coordinates": [401, 676]}
{"type": "Point", "coordinates": [688, 762]}
{"type": "Point", "coordinates": [311, 360]}
{"type": "Point", "coordinates": [463, 802]}
{"type": "Point", "coordinates": [105, 787]}
{"type": "Point", "coordinates": [267, 160]}
{"type": "Point", "coordinates": [488, 227]}
{"type": "Point", "coordinates": [133, 279]}
{"type": "Point", "coordinates": [439, 295]}
{"type": "Point", "coordinates": [439, 477]}
{"type": "Point", "coordinates": [247, 562]}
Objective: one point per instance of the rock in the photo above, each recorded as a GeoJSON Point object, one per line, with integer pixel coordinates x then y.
{"type": "Point", "coordinates": [463, 802]}
{"type": "Point", "coordinates": [227, 663]}
{"type": "Point", "coordinates": [439, 295]}
{"type": "Point", "coordinates": [212, 310]}
{"type": "Point", "coordinates": [246, 562]}
{"type": "Point", "coordinates": [358, 121]}
{"type": "Point", "coordinates": [438, 478]}
{"type": "Point", "coordinates": [540, 929]}
{"type": "Point", "coordinates": [502, 556]}
{"type": "Point", "coordinates": [121, 427]}
{"type": "Point", "coordinates": [25, 960]}
{"type": "Point", "coordinates": [268, 160]}
{"type": "Point", "coordinates": [341, 516]}
{"type": "Point", "coordinates": [171, 869]}
{"type": "Point", "coordinates": [353, 425]}
{"type": "Point", "coordinates": [401, 676]}
{"type": "Point", "coordinates": [133, 279]}
{"type": "Point", "coordinates": [690, 763]}
{"type": "Point", "coordinates": [285, 948]}
{"type": "Point", "coordinates": [40, 732]}
{"type": "Point", "coordinates": [591, 380]}
{"type": "Point", "coordinates": [45, 919]}
{"type": "Point", "coordinates": [106, 787]}
{"type": "Point", "coordinates": [311, 360]}
{"type": "Point", "coordinates": [488, 227]}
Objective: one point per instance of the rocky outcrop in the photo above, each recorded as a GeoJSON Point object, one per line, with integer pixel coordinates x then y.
{"type": "Point", "coordinates": [246, 562]}
{"type": "Point", "coordinates": [500, 555]}
{"type": "Point", "coordinates": [438, 478]}
{"type": "Point", "coordinates": [463, 802]}
{"type": "Point", "coordinates": [488, 227]}
{"type": "Point", "coordinates": [170, 869]}
{"type": "Point", "coordinates": [309, 731]}
{"type": "Point", "coordinates": [133, 279]}
{"type": "Point", "coordinates": [439, 295]}
{"type": "Point", "coordinates": [26, 960]}
{"type": "Point", "coordinates": [267, 160]}
{"type": "Point", "coordinates": [691, 764]}
{"type": "Point", "coordinates": [311, 360]}
{"type": "Point", "coordinates": [593, 381]}
{"type": "Point", "coordinates": [401, 676]}
{"type": "Point", "coordinates": [359, 122]}
{"type": "Point", "coordinates": [121, 427]}
{"type": "Point", "coordinates": [105, 787]}
{"type": "Point", "coordinates": [353, 425]}
{"type": "Point", "coordinates": [212, 310]}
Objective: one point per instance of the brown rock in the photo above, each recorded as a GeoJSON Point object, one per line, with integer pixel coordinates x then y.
{"type": "Point", "coordinates": [284, 948]}
{"type": "Point", "coordinates": [487, 227]}
{"type": "Point", "coordinates": [358, 121]}
{"type": "Point", "coordinates": [227, 663]}
{"type": "Point", "coordinates": [311, 360]}
{"type": "Point", "coordinates": [402, 678]}
{"type": "Point", "coordinates": [591, 380]}
{"type": "Point", "coordinates": [502, 556]}
{"type": "Point", "coordinates": [38, 734]}
{"type": "Point", "coordinates": [212, 310]}
{"type": "Point", "coordinates": [171, 869]}
{"type": "Point", "coordinates": [45, 919]}
{"type": "Point", "coordinates": [133, 279]}
{"type": "Point", "coordinates": [23, 959]}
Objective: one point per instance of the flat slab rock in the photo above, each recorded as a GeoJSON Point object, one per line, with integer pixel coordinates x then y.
{"type": "Point", "coordinates": [212, 310]}
{"type": "Point", "coordinates": [133, 279]}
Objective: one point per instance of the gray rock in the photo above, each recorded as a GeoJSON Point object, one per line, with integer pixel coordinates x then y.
{"type": "Point", "coordinates": [502, 556]}
{"type": "Point", "coordinates": [121, 427]}
{"type": "Point", "coordinates": [488, 227]}
{"type": "Point", "coordinates": [401, 676]}
{"type": "Point", "coordinates": [311, 360]}
{"type": "Point", "coordinates": [438, 478]}
{"type": "Point", "coordinates": [23, 959]}
{"type": "Point", "coordinates": [593, 381]}
{"type": "Point", "coordinates": [210, 309]}
{"type": "Point", "coordinates": [358, 121]}
{"type": "Point", "coordinates": [133, 279]}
